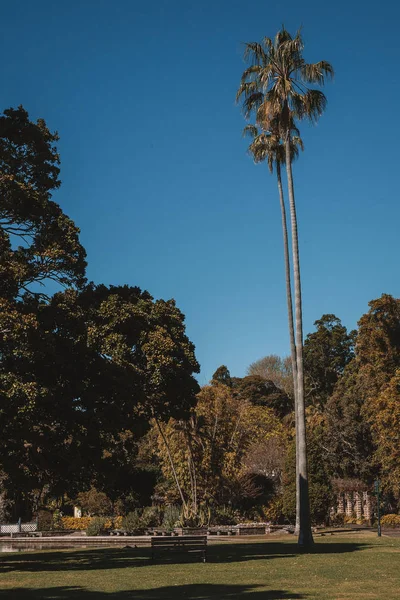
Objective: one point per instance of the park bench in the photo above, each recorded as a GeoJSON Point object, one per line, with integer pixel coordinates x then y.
{"type": "Point", "coordinates": [185, 544]}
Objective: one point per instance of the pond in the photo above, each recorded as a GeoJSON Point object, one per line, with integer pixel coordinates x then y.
{"type": "Point", "coordinates": [10, 547]}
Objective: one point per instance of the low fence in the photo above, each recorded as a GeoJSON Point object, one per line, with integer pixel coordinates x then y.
{"type": "Point", "coordinates": [10, 528]}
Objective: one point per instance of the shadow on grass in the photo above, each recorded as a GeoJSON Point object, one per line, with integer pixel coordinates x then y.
{"type": "Point", "coordinates": [204, 591]}
{"type": "Point", "coordinates": [120, 558]}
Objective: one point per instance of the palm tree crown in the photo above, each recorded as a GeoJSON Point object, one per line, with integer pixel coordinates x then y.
{"type": "Point", "coordinates": [277, 82]}
{"type": "Point", "coordinates": [267, 145]}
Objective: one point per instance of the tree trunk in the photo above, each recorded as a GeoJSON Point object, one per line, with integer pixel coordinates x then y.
{"type": "Point", "coordinates": [291, 331]}
{"type": "Point", "coordinates": [305, 534]}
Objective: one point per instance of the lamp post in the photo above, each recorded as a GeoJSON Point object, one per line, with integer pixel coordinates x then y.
{"type": "Point", "coordinates": [378, 506]}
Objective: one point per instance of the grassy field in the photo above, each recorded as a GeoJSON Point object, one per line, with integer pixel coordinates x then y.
{"type": "Point", "coordinates": [339, 568]}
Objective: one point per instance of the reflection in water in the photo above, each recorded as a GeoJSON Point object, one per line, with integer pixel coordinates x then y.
{"type": "Point", "coordinates": [10, 547]}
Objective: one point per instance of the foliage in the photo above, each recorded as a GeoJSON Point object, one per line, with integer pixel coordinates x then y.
{"type": "Point", "coordinates": [359, 413]}
{"type": "Point", "coordinates": [117, 521]}
{"type": "Point", "coordinates": [208, 451]}
{"type": "Point", "coordinates": [45, 520]}
{"type": "Point", "coordinates": [378, 340]}
{"type": "Point", "coordinates": [337, 520]}
{"type": "Point", "coordinates": [49, 246]}
{"type": "Point", "coordinates": [141, 518]}
{"type": "Point", "coordinates": [276, 85]}
{"type": "Point", "coordinates": [171, 517]}
{"type": "Point", "coordinates": [222, 376]}
{"type": "Point", "coordinates": [348, 435]}
{"type": "Point", "coordinates": [267, 458]}
{"type": "Point", "coordinates": [133, 522]}
{"type": "Point", "coordinates": [76, 524]}
{"type": "Point", "coordinates": [92, 366]}
{"type": "Point", "coordinates": [57, 519]}
{"type": "Point", "coordinates": [274, 511]}
{"type": "Point", "coordinates": [322, 497]}
{"type": "Point", "coordinates": [327, 352]}
{"type": "Point", "coordinates": [390, 521]}
{"type": "Point", "coordinates": [97, 526]}
{"type": "Point", "coordinates": [224, 515]}
{"type": "Point", "coordinates": [384, 411]}
{"type": "Point", "coordinates": [262, 392]}
{"type": "Point", "coordinates": [276, 369]}
{"type": "Point", "coordinates": [4, 500]}
{"type": "Point", "coordinates": [94, 503]}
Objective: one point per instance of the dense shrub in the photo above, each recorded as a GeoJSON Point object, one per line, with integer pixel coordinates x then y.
{"type": "Point", "coordinates": [224, 515]}
{"type": "Point", "coordinates": [151, 516]}
{"type": "Point", "coordinates": [118, 522]}
{"type": "Point", "coordinates": [337, 520]}
{"type": "Point", "coordinates": [171, 518]}
{"type": "Point", "coordinates": [98, 526]}
{"type": "Point", "coordinates": [274, 511]}
{"type": "Point", "coordinates": [45, 520]}
{"type": "Point", "coordinates": [133, 521]}
{"type": "Point", "coordinates": [57, 520]}
{"type": "Point", "coordinates": [142, 518]}
{"type": "Point", "coordinates": [75, 523]}
{"type": "Point", "coordinates": [391, 520]}
{"type": "Point", "coordinates": [95, 503]}
{"type": "Point", "coordinates": [82, 523]}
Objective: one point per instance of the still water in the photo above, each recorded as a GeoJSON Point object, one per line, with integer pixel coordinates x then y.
{"type": "Point", "coordinates": [10, 547]}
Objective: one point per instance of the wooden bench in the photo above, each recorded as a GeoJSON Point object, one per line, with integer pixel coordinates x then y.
{"type": "Point", "coordinates": [167, 546]}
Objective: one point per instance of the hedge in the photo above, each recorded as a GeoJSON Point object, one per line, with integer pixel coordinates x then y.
{"type": "Point", "coordinates": [391, 520]}
{"type": "Point", "coordinates": [82, 523]}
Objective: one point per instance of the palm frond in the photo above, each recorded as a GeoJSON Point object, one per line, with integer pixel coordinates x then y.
{"type": "Point", "coordinates": [275, 86]}
{"type": "Point", "coordinates": [316, 72]}
{"type": "Point", "coordinates": [254, 52]}
{"type": "Point", "coordinates": [268, 43]}
{"type": "Point", "coordinates": [247, 89]}
{"type": "Point", "coordinates": [252, 103]}
{"type": "Point", "coordinates": [250, 72]}
{"type": "Point", "coordinates": [297, 143]}
{"type": "Point", "coordinates": [314, 103]}
{"type": "Point", "coordinates": [282, 37]}
{"type": "Point", "coordinates": [251, 131]}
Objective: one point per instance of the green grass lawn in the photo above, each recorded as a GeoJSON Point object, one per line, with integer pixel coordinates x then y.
{"type": "Point", "coordinates": [339, 568]}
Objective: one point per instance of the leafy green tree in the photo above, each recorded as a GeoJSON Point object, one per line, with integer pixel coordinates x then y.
{"type": "Point", "coordinates": [378, 341]}
{"type": "Point", "coordinates": [91, 365]}
{"type": "Point", "coordinates": [276, 88]}
{"type": "Point", "coordinates": [205, 456]}
{"type": "Point", "coordinates": [327, 352]}
{"type": "Point", "coordinates": [95, 503]}
{"type": "Point", "coordinates": [262, 392]}
{"type": "Point", "coordinates": [275, 369]}
{"type": "Point", "coordinates": [353, 410]}
{"type": "Point", "coordinates": [348, 434]}
{"type": "Point", "coordinates": [222, 375]}
{"type": "Point", "coordinates": [384, 411]}
{"type": "Point", "coordinates": [49, 247]}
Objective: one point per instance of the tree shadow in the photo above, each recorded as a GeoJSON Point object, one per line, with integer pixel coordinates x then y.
{"type": "Point", "coordinates": [120, 558]}
{"type": "Point", "coordinates": [204, 591]}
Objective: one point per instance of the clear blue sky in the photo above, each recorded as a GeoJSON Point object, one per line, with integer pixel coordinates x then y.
{"type": "Point", "coordinates": [155, 171]}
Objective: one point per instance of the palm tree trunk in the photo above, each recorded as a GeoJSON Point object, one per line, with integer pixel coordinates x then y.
{"type": "Point", "coordinates": [305, 534]}
{"type": "Point", "coordinates": [291, 330]}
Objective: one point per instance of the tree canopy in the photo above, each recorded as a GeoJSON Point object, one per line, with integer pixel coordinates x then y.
{"type": "Point", "coordinates": [38, 242]}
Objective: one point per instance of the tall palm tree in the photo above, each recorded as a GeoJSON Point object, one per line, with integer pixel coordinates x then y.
{"type": "Point", "coordinates": [276, 86]}
{"type": "Point", "coordinates": [267, 146]}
